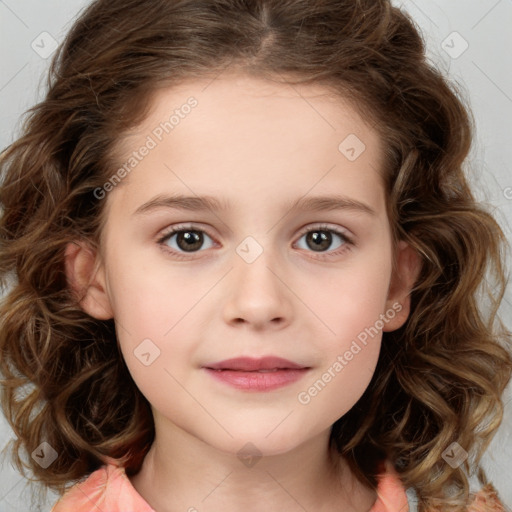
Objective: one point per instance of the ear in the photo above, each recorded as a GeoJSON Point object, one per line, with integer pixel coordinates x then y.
{"type": "Point", "coordinates": [403, 278]}
{"type": "Point", "coordinates": [86, 277]}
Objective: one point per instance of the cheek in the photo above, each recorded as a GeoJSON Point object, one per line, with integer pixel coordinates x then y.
{"type": "Point", "coordinates": [352, 298]}
{"type": "Point", "coordinates": [348, 351]}
{"type": "Point", "coordinates": [360, 306]}
{"type": "Point", "coordinates": [160, 310]}
{"type": "Point", "coordinates": [337, 386]}
{"type": "Point", "coordinates": [151, 317]}
{"type": "Point", "coordinates": [152, 300]}
{"type": "Point", "coordinates": [352, 304]}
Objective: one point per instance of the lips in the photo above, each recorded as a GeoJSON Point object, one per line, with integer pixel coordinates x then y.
{"type": "Point", "coordinates": [256, 375]}
{"type": "Point", "coordinates": [247, 364]}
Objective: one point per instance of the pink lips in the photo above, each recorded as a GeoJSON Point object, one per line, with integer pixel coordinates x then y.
{"type": "Point", "coordinates": [264, 374]}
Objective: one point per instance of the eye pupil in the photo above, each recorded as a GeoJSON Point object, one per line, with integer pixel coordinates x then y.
{"type": "Point", "coordinates": [320, 239]}
{"type": "Point", "coordinates": [192, 240]}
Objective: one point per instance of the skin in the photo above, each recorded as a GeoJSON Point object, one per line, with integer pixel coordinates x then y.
{"type": "Point", "coordinates": [258, 145]}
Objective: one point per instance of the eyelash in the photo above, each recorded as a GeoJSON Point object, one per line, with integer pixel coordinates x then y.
{"type": "Point", "coordinates": [347, 246]}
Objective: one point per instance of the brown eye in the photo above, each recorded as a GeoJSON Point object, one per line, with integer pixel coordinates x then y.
{"type": "Point", "coordinates": [322, 239]}
{"type": "Point", "coordinates": [185, 240]}
{"type": "Point", "coordinates": [319, 240]}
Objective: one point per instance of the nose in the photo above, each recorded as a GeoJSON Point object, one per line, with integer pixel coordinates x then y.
{"type": "Point", "coordinates": [257, 294]}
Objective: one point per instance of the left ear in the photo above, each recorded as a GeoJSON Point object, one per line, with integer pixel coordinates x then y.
{"type": "Point", "coordinates": [408, 266]}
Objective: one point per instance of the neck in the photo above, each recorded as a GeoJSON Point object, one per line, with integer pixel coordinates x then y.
{"type": "Point", "coordinates": [181, 472]}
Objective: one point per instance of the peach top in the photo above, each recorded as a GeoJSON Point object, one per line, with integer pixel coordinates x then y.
{"type": "Point", "coordinates": [108, 489]}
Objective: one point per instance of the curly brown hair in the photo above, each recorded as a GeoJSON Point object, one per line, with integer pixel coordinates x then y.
{"type": "Point", "coordinates": [439, 378]}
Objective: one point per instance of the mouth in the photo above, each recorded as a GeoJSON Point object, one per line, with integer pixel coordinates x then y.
{"type": "Point", "coordinates": [249, 364]}
{"type": "Point", "coordinates": [257, 375]}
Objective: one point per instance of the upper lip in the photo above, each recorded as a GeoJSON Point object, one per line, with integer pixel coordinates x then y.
{"type": "Point", "coordinates": [253, 364]}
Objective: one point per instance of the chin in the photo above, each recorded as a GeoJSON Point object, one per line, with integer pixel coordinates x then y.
{"type": "Point", "coordinates": [258, 442]}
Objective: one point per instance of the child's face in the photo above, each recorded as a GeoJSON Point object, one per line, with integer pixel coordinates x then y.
{"type": "Point", "coordinates": [253, 285]}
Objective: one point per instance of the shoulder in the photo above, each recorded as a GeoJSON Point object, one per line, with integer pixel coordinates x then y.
{"type": "Point", "coordinates": [486, 500]}
{"type": "Point", "coordinates": [108, 488]}
{"type": "Point", "coordinates": [393, 496]}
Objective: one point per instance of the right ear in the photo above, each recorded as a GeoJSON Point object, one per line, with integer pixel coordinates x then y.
{"type": "Point", "coordinates": [86, 278]}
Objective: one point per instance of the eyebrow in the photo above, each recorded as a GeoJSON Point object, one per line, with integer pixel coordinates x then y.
{"type": "Point", "coordinates": [205, 203]}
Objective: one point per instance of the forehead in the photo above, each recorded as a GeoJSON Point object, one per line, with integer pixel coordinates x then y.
{"type": "Point", "coordinates": [240, 134]}
{"type": "Point", "coordinates": [238, 101]}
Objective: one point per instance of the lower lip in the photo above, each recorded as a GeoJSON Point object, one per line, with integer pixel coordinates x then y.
{"type": "Point", "coordinates": [258, 381]}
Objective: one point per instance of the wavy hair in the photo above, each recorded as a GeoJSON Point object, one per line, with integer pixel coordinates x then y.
{"type": "Point", "coordinates": [439, 379]}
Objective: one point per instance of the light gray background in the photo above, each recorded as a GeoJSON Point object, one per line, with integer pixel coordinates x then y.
{"type": "Point", "coordinates": [482, 70]}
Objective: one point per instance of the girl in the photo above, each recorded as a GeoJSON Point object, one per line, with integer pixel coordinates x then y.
{"type": "Point", "coordinates": [244, 269]}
